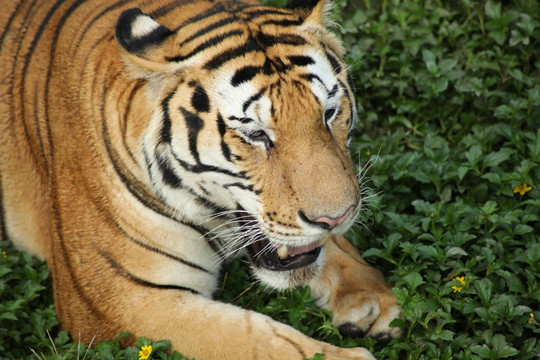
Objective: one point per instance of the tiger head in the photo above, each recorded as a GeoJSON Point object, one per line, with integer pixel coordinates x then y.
{"type": "Point", "coordinates": [253, 115]}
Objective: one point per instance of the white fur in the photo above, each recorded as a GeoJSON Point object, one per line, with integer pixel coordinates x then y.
{"type": "Point", "coordinates": [142, 26]}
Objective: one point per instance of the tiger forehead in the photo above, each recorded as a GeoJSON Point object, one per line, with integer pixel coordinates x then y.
{"type": "Point", "coordinates": [226, 15]}
{"type": "Point", "coordinates": [225, 33]}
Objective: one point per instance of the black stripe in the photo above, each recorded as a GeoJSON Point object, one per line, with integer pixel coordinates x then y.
{"type": "Point", "coordinates": [350, 82]}
{"type": "Point", "coordinates": [124, 273]}
{"type": "Point", "coordinates": [204, 190]}
{"type": "Point", "coordinates": [162, 252]}
{"type": "Point", "coordinates": [165, 132]}
{"type": "Point", "coordinates": [267, 40]}
{"type": "Point", "coordinates": [165, 9]}
{"type": "Point", "coordinates": [168, 175]}
{"type": "Point", "coordinates": [10, 20]}
{"type": "Point", "coordinates": [306, 5]}
{"type": "Point", "coordinates": [311, 77]}
{"type": "Point", "coordinates": [282, 22]}
{"type": "Point", "coordinates": [301, 60]}
{"type": "Point", "coordinates": [139, 85]}
{"type": "Point", "coordinates": [222, 129]}
{"type": "Point", "coordinates": [21, 33]}
{"type": "Point", "coordinates": [346, 89]}
{"type": "Point", "coordinates": [25, 72]}
{"type": "Point", "coordinates": [244, 74]}
{"type": "Point", "coordinates": [211, 42]}
{"type": "Point", "coordinates": [262, 11]}
{"type": "Point", "coordinates": [241, 139]}
{"type": "Point", "coordinates": [94, 311]}
{"type": "Point", "coordinates": [96, 18]}
{"type": "Point", "coordinates": [209, 28]}
{"type": "Point", "coordinates": [294, 344]}
{"type": "Point", "coordinates": [200, 168]}
{"type": "Point", "coordinates": [134, 186]}
{"type": "Point", "coordinates": [253, 98]}
{"type": "Point", "coordinates": [243, 120]}
{"type": "Point", "coordinates": [194, 125]}
{"type": "Point", "coordinates": [200, 100]}
{"type": "Point", "coordinates": [216, 9]}
{"type": "Point", "coordinates": [219, 8]}
{"type": "Point", "coordinates": [202, 202]}
{"type": "Point", "coordinates": [229, 55]}
{"type": "Point", "coordinates": [352, 100]}
{"type": "Point", "coordinates": [243, 187]}
{"type": "Point", "coordinates": [333, 92]}
{"type": "Point", "coordinates": [336, 66]}
{"type": "Point", "coordinates": [328, 114]}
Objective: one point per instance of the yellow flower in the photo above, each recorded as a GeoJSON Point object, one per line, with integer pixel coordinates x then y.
{"type": "Point", "coordinates": [145, 352]}
{"type": "Point", "coordinates": [522, 189]}
{"type": "Point", "coordinates": [531, 319]}
{"type": "Point", "coordinates": [5, 254]}
{"type": "Point", "coordinates": [461, 279]}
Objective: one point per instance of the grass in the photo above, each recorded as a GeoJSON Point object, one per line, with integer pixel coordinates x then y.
{"type": "Point", "coordinates": [449, 128]}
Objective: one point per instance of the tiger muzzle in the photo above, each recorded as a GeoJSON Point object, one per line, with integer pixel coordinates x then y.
{"type": "Point", "coordinates": [264, 253]}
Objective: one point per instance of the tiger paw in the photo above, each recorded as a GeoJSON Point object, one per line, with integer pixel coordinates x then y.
{"type": "Point", "coordinates": [363, 313]}
{"type": "Point", "coordinates": [361, 301]}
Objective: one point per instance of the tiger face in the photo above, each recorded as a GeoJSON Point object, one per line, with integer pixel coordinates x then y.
{"type": "Point", "coordinates": [254, 131]}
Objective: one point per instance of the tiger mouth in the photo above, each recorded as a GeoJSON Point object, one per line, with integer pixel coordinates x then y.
{"type": "Point", "coordinates": [266, 254]}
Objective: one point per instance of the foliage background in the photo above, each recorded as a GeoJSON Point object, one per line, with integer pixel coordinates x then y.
{"type": "Point", "coordinates": [449, 125]}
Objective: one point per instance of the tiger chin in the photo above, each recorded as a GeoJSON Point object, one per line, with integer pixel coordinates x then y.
{"type": "Point", "coordinates": [144, 143]}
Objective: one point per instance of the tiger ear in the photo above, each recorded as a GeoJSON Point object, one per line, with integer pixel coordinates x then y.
{"type": "Point", "coordinates": [311, 11]}
{"type": "Point", "coordinates": [144, 43]}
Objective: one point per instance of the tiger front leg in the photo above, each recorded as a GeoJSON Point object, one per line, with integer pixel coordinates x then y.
{"type": "Point", "coordinates": [359, 297]}
{"type": "Point", "coordinates": [204, 329]}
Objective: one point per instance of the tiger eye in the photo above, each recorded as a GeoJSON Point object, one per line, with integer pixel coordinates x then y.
{"type": "Point", "coordinates": [257, 135]}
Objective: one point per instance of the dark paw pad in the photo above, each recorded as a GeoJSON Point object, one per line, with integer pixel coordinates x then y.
{"type": "Point", "coordinates": [383, 338]}
{"type": "Point", "coordinates": [351, 330]}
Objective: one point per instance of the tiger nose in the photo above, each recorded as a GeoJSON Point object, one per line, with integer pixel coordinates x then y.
{"type": "Point", "coordinates": [327, 222]}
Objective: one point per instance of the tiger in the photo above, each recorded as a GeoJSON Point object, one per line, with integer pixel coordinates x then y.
{"type": "Point", "coordinates": [145, 144]}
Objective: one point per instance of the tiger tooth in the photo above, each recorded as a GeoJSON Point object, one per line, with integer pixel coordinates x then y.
{"type": "Point", "coordinates": [283, 252]}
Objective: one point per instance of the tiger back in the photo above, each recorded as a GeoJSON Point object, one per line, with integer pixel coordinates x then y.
{"type": "Point", "coordinates": [145, 143]}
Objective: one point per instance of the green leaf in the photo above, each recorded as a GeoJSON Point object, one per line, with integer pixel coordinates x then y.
{"type": "Point", "coordinates": [4, 271]}
{"type": "Point", "coordinates": [494, 159]}
{"type": "Point", "coordinates": [521, 229]}
{"type": "Point", "coordinates": [503, 112]}
{"type": "Point", "coordinates": [474, 154]}
{"type": "Point", "coordinates": [489, 207]}
{"type": "Point", "coordinates": [372, 252]}
{"type": "Point", "coordinates": [484, 289]}
{"type": "Point", "coordinates": [462, 171]}
{"type": "Point", "coordinates": [402, 294]}
{"type": "Point", "coordinates": [493, 9]}
{"type": "Point", "coordinates": [492, 177]}
{"type": "Point", "coordinates": [453, 251]}
{"type": "Point", "coordinates": [413, 280]}
{"type": "Point", "coordinates": [483, 350]}
{"type": "Point", "coordinates": [429, 251]}
{"type": "Point", "coordinates": [501, 348]}
{"type": "Point", "coordinates": [439, 85]}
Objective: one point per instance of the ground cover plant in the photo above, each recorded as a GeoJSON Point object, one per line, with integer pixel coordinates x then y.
{"type": "Point", "coordinates": [448, 149]}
